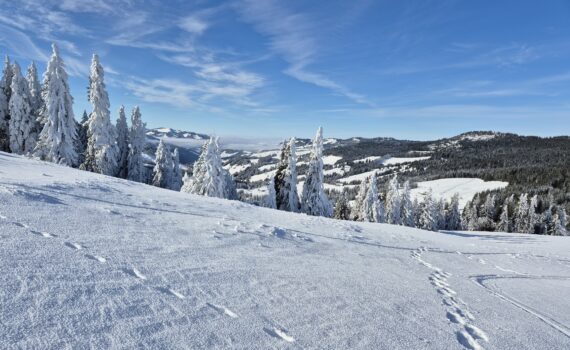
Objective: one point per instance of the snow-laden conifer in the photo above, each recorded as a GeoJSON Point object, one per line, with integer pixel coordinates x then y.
{"type": "Point", "coordinates": [522, 218]}
{"type": "Point", "coordinates": [428, 213]}
{"type": "Point", "coordinates": [269, 199]}
{"type": "Point", "coordinates": [176, 183]}
{"type": "Point", "coordinates": [341, 209]}
{"type": "Point", "coordinates": [22, 121]}
{"type": "Point", "coordinates": [209, 178]}
{"type": "Point", "coordinates": [102, 152]}
{"type": "Point", "coordinates": [369, 210]}
{"type": "Point", "coordinates": [286, 179]}
{"type": "Point", "coordinates": [534, 218]}
{"type": "Point", "coordinates": [35, 89]}
{"type": "Point", "coordinates": [162, 172]}
{"type": "Point", "coordinates": [359, 200]}
{"type": "Point", "coordinates": [57, 139]}
{"type": "Point", "coordinates": [137, 136]}
{"type": "Point", "coordinates": [314, 199]}
{"type": "Point", "coordinates": [504, 220]}
{"type": "Point", "coordinates": [407, 206]}
{"type": "Point", "coordinates": [453, 215]}
{"type": "Point", "coordinates": [393, 202]}
{"type": "Point", "coordinates": [81, 140]}
{"type": "Point", "coordinates": [122, 144]}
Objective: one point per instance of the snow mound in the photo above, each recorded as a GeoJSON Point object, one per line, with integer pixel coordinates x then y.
{"type": "Point", "coordinates": [89, 261]}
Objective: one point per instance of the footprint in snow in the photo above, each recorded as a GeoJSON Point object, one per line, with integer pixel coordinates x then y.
{"type": "Point", "coordinates": [465, 339]}
{"type": "Point", "coordinates": [135, 273]}
{"type": "Point", "coordinates": [279, 333]}
{"type": "Point", "coordinates": [171, 292]}
{"type": "Point", "coordinates": [75, 246]}
{"type": "Point", "coordinates": [455, 317]}
{"type": "Point", "coordinates": [43, 234]}
{"type": "Point", "coordinates": [96, 258]}
{"type": "Point", "coordinates": [223, 310]}
{"type": "Point", "coordinates": [19, 224]}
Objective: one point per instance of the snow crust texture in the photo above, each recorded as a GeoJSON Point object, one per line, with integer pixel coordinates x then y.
{"type": "Point", "coordinates": [95, 262]}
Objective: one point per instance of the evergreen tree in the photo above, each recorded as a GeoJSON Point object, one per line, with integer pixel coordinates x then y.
{"type": "Point", "coordinates": [102, 152]}
{"type": "Point", "coordinates": [359, 200]}
{"type": "Point", "coordinates": [534, 218]}
{"type": "Point", "coordinates": [5, 93]}
{"type": "Point", "coordinates": [176, 184]}
{"type": "Point", "coordinates": [286, 179]}
{"type": "Point", "coordinates": [522, 219]}
{"type": "Point", "coordinates": [136, 171]}
{"type": "Point", "coordinates": [561, 222]}
{"type": "Point", "coordinates": [7, 76]}
{"type": "Point", "coordinates": [341, 209]}
{"type": "Point", "coordinates": [407, 211]}
{"type": "Point", "coordinates": [428, 213]}
{"type": "Point", "coordinates": [35, 89]}
{"type": "Point", "coordinates": [209, 177]}
{"type": "Point", "coordinates": [22, 121]}
{"type": "Point", "coordinates": [453, 215]}
{"type": "Point", "coordinates": [314, 200]}
{"type": "Point", "coordinates": [490, 207]}
{"type": "Point", "coordinates": [505, 222]}
{"type": "Point", "coordinates": [162, 172]}
{"type": "Point", "coordinates": [57, 139]}
{"type": "Point", "coordinates": [370, 208]}
{"type": "Point", "coordinates": [549, 222]}
{"type": "Point", "coordinates": [81, 140]}
{"type": "Point", "coordinates": [393, 202]}
{"type": "Point", "coordinates": [122, 144]}
{"type": "Point", "coordinates": [269, 200]}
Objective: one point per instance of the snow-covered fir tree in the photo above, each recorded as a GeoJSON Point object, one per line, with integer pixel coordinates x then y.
{"type": "Point", "coordinates": [534, 218]}
{"type": "Point", "coordinates": [35, 89]}
{"type": "Point", "coordinates": [489, 206]}
{"type": "Point", "coordinates": [371, 207]}
{"type": "Point", "coordinates": [137, 136]}
{"type": "Point", "coordinates": [7, 76]}
{"type": "Point", "coordinates": [359, 200]}
{"type": "Point", "coordinates": [561, 221]}
{"type": "Point", "coordinates": [122, 144]}
{"type": "Point", "coordinates": [341, 209]}
{"type": "Point", "coordinates": [5, 91]}
{"type": "Point", "coordinates": [314, 200]}
{"type": "Point", "coordinates": [176, 183]}
{"type": "Point", "coordinates": [453, 215]}
{"type": "Point", "coordinates": [57, 139]}
{"type": "Point", "coordinates": [22, 124]}
{"type": "Point", "coordinates": [286, 179]}
{"type": "Point", "coordinates": [407, 211]}
{"type": "Point", "coordinates": [521, 218]}
{"type": "Point", "coordinates": [505, 221]}
{"type": "Point", "coordinates": [428, 213]}
{"type": "Point", "coordinates": [393, 202]}
{"type": "Point", "coordinates": [81, 140]}
{"type": "Point", "coordinates": [209, 178]}
{"type": "Point", "coordinates": [269, 201]}
{"type": "Point", "coordinates": [102, 153]}
{"type": "Point", "coordinates": [441, 213]}
{"type": "Point", "coordinates": [162, 172]}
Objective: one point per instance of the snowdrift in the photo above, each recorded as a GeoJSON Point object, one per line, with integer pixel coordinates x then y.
{"type": "Point", "coordinates": [88, 261]}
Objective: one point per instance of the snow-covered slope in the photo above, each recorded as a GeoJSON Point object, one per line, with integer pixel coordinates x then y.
{"type": "Point", "coordinates": [88, 261]}
{"type": "Point", "coordinates": [466, 188]}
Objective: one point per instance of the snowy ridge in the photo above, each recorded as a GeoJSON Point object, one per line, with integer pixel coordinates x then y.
{"type": "Point", "coordinates": [89, 261]}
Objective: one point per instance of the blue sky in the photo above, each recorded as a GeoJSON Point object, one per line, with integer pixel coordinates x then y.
{"type": "Point", "coordinates": [416, 69]}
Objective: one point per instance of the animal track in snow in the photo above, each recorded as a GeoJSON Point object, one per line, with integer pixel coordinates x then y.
{"type": "Point", "coordinates": [75, 246]}
{"type": "Point", "coordinates": [19, 224]}
{"type": "Point", "coordinates": [43, 234]}
{"type": "Point", "coordinates": [279, 333]}
{"type": "Point", "coordinates": [135, 273]}
{"type": "Point", "coordinates": [96, 258]}
{"type": "Point", "coordinates": [223, 310]}
{"type": "Point", "coordinates": [456, 309]}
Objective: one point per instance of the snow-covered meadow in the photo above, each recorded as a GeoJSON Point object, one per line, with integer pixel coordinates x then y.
{"type": "Point", "coordinates": [89, 261]}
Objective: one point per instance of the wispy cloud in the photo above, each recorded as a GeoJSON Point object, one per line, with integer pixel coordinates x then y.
{"type": "Point", "coordinates": [291, 36]}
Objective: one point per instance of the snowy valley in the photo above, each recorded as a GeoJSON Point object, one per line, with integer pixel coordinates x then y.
{"type": "Point", "coordinates": [91, 261]}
